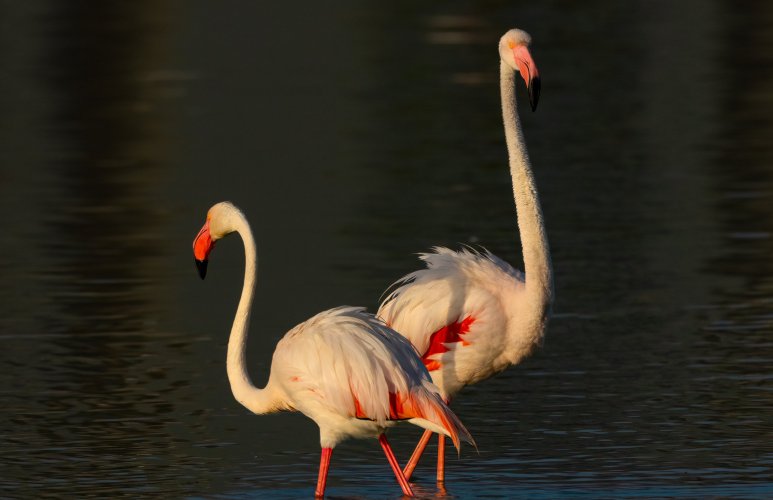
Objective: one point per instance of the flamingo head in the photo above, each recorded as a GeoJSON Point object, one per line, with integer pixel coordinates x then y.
{"type": "Point", "coordinates": [514, 51]}
{"type": "Point", "coordinates": [219, 223]}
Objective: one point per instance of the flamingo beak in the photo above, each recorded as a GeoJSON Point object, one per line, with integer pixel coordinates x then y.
{"type": "Point", "coordinates": [201, 266]}
{"type": "Point", "coordinates": [202, 245]}
{"type": "Point", "coordinates": [529, 72]}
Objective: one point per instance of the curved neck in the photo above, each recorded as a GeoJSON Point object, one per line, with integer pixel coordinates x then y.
{"type": "Point", "coordinates": [536, 252]}
{"type": "Point", "coordinates": [255, 399]}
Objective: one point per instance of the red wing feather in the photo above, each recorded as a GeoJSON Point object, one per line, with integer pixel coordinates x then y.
{"type": "Point", "coordinates": [446, 335]}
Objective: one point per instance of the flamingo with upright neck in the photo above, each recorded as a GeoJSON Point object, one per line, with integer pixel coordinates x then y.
{"type": "Point", "coordinates": [343, 368]}
{"type": "Point", "coordinates": [470, 314]}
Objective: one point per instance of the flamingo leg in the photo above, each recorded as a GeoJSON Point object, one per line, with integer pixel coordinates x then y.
{"type": "Point", "coordinates": [324, 465]}
{"type": "Point", "coordinates": [414, 460]}
{"type": "Point", "coordinates": [395, 466]}
{"type": "Point", "coordinates": [441, 458]}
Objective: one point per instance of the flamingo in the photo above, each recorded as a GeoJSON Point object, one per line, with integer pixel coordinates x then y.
{"type": "Point", "coordinates": [343, 368]}
{"type": "Point", "coordinates": [469, 313]}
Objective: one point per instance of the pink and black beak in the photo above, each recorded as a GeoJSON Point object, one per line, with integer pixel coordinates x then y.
{"type": "Point", "coordinates": [529, 72]}
{"type": "Point", "coordinates": [202, 245]}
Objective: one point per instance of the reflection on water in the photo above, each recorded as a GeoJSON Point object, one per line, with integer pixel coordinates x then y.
{"type": "Point", "coordinates": [126, 121]}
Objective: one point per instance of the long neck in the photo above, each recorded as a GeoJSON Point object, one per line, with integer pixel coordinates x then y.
{"type": "Point", "coordinates": [255, 399]}
{"type": "Point", "coordinates": [536, 253]}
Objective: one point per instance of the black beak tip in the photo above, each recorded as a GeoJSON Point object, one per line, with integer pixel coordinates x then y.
{"type": "Point", "coordinates": [534, 90]}
{"type": "Point", "coordinates": [201, 266]}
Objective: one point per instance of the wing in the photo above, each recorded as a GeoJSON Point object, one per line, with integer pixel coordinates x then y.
{"type": "Point", "coordinates": [457, 300]}
{"type": "Point", "coordinates": [353, 365]}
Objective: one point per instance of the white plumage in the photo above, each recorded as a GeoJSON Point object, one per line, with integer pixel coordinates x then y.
{"type": "Point", "coordinates": [344, 362]}
{"type": "Point", "coordinates": [453, 287]}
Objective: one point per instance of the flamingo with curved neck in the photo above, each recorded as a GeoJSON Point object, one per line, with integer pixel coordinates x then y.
{"type": "Point", "coordinates": [343, 368]}
{"type": "Point", "coordinates": [470, 314]}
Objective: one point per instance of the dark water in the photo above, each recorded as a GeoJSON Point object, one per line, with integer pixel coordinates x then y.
{"type": "Point", "coordinates": [354, 137]}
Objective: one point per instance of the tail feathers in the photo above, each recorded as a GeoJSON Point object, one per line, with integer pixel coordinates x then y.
{"type": "Point", "coordinates": [427, 405]}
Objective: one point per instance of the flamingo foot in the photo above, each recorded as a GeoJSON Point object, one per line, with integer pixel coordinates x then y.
{"type": "Point", "coordinates": [395, 466]}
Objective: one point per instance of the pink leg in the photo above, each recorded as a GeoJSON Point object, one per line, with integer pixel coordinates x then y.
{"type": "Point", "coordinates": [441, 458]}
{"type": "Point", "coordinates": [395, 467]}
{"type": "Point", "coordinates": [414, 461]}
{"type": "Point", "coordinates": [324, 465]}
